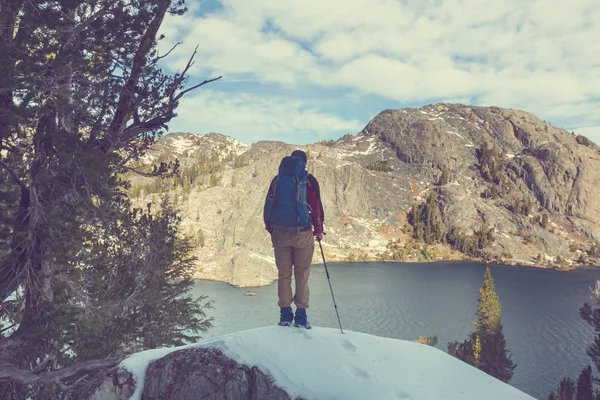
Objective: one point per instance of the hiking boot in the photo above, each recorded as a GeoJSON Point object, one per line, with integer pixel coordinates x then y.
{"type": "Point", "coordinates": [301, 320]}
{"type": "Point", "coordinates": [286, 316]}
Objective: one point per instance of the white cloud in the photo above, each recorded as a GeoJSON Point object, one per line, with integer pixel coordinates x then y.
{"type": "Point", "coordinates": [250, 118]}
{"type": "Point", "coordinates": [538, 55]}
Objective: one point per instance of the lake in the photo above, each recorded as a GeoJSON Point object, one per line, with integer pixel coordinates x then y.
{"type": "Point", "coordinates": [540, 309]}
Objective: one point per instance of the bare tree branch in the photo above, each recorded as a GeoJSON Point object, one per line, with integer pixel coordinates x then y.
{"type": "Point", "coordinates": [159, 122]}
{"type": "Point", "coordinates": [196, 87]}
{"type": "Point", "coordinates": [7, 328]}
{"type": "Point", "coordinates": [13, 374]}
{"type": "Point", "coordinates": [153, 174]}
{"type": "Point", "coordinates": [168, 52]}
{"type": "Point", "coordinates": [14, 175]}
{"type": "Point", "coordinates": [123, 111]}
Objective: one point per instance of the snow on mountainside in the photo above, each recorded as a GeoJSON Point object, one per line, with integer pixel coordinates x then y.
{"type": "Point", "coordinates": [534, 192]}
{"type": "Point", "coordinates": [324, 364]}
{"type": "Point", "coordinates": [188, 145]}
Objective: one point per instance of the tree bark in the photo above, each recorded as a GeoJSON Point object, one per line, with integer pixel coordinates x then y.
{"type": "Point", "coordinates": [13, 374]}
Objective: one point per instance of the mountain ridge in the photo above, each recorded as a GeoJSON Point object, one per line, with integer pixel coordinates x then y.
{"type": "Point", "coordinates": [530, 184]}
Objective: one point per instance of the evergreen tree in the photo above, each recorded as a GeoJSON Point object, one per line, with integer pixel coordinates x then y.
{"type": "Point", "coordinates": [492, 164]}
{"type": "Point", "coordinates": [445, 176]}
{"type": "Point", "coordinates": [428, 340]}
{"type": "Point", "coordinates": [592, 317]}
{"type": "Point", "coordinates": [486, 347]}
{"type": "Point", "coordinates": [566, 390]}
{"type": "Point", "coordinates": [489, 310]}
{"type": "Point", "coordinates": [584, 385]}
{"type": "Point", "coordinates": [81, 102]}
{"type": "Point", "coordinates": [463, 351]}
{"type": "Point", "coordinates": [585, 389]}
{"type": "Point", "coordinates": [427, 222]}
{"type": "Point", "coordinates": [544, 221]}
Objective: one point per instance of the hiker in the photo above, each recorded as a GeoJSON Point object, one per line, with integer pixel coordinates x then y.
{"type": "Point", "coordinates": [292, 208]}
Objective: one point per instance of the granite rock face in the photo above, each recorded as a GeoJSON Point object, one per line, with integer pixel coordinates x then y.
{"type": "Point", "coordinates": [205, 373]}
{"type": "Point", "coordinates": [370, 180]}
{"type": "Point", "coordinates": [189, 374]}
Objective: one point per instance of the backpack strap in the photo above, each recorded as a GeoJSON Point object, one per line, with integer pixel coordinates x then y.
{"type": "Point", "coordinates": [273, 191]}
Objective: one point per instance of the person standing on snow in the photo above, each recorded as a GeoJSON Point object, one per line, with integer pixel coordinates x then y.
{"type": "Point", "coordinates": [293, 213]}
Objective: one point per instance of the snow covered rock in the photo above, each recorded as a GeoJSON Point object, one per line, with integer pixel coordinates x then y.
{"type": "Point", "coordinates": [205, 373]}
{"type": "Point", "coordinates": [310, 364]}
{"type": "Point", "coordinates": [118, 385]}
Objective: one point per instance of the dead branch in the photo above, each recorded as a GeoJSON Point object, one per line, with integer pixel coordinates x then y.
{"type": "Point", "coordinates": [14, 175]}
{"type": "Point", "coordinates": [123, 110]}
{"type": "Point", "coordinates": [168, 52]}
{"type": "Point", "coordinates": [7, 328]}
{"type": "Point", "coordinates": [156, 173]}
{"type": "Point", "coordinates": [196, 86]}
{"type": "Point", "coordinates": [16, 375]}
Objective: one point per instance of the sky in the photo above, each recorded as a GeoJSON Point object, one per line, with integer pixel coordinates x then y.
{"type": "Point", "coordinates": [311, 70]}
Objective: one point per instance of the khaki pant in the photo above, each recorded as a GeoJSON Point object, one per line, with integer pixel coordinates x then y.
{"type": "Point", "coordinates": [293, 249]}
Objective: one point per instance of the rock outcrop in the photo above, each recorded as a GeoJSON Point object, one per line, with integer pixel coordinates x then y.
{"type": "Point", "coordinates": [370, 181]}
{"type": "Point", "coordinates": [195, 373]}
{"type": "Point", "coordinates": [205, 373]}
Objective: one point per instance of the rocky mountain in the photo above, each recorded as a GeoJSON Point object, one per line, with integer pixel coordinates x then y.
{"type": "Point", "coordinates": [508, 188]}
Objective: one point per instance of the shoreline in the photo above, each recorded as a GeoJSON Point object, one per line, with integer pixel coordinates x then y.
{"type": "Point", "coordinates": [470, 261]}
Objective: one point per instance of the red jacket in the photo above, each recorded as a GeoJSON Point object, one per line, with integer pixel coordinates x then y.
{"type": "Point", "coordinates": [313, 198]}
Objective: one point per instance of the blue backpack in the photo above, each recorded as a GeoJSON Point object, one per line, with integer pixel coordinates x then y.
{"type": "Point", "coordinates": [286, 206]}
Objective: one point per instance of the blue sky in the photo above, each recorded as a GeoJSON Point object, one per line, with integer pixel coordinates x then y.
{"type": "Point", "coordinates": [304, 71]}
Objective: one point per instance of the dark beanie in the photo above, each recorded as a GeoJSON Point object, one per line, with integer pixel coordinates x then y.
{"type": "Point", "coordinates": [301, 154]}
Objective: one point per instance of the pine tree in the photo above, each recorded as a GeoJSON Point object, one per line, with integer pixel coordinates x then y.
{"type": "Point", "coordinates": [427, 221]}
{"type": "Point", "coordinates": [544, 221]}
{"type": "Point", "coordinates": [566, 389]}
{"type": "Point", "coordinates": [584, 385]}
{"type": "Point", "coordinates": [463, 351]}
{"type": "Point", "coordinates": [592, 317]}
{"type": "Point", "coordinates": [477, 351]}
{"type": "Point", "coordinates": [445, 176]}
{"type": "Point", "coordinates": [80, 103]}
{"type": "Point", "coordinates": [486, 347]}
{"type": "Point", "coordinates": [428, 340]}
{"type": "Point", "coordinates": [585, 389]}
{"type": "Point", "coordinates": [495, 358]}
{"type": "Point", "coordinates": [489, 310]}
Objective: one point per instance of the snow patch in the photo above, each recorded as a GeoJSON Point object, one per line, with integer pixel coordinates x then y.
{"type": "Point", "coordinates": [181, 144]}
{"type": "Point", "coordinates": [321, 363]}
{"type": "Point", "coordinates": [510, 155]}
{"type": "Point", "coordinates": [237, 147]}
{"type": "Point", "coordinates": [456, 133]}
{"type": "Point", "coordinates": [371, 150]}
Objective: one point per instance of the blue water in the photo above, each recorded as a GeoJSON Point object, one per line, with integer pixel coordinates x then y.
{"type": "Point", "coordinates": [540, 310]}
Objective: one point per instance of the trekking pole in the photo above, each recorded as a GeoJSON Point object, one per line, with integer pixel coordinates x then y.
{"type": "Point", "coordinates": [330, 288]}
